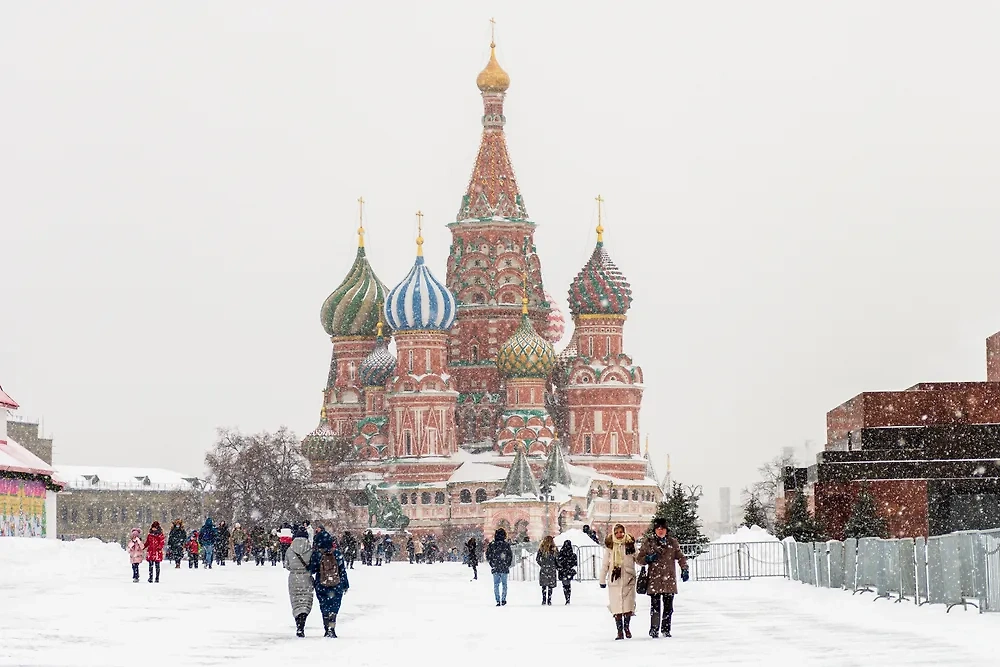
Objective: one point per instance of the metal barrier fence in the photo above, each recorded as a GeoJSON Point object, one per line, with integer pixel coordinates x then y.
{"type": "Point", "coordinates": [737, 561]}
{"type": "Point", "coordinates": [957, 569]}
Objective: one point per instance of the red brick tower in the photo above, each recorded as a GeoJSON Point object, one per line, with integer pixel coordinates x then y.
{"type": "Point", "coordinates": [492, 245]}
{"type": "Point", "coordinates": [420, 398]}
{"type": "Point", "coordinates": [603, 389]}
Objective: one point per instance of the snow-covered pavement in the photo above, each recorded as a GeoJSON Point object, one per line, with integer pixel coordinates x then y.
{"type": "Point", "coordinates": [75, 604]}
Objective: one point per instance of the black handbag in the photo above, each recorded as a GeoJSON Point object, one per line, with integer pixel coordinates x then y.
{"type": "Point", "coordinates": [642, 582]}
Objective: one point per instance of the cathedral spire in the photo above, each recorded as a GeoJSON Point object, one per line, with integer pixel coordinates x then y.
{"type": "Point", "coordinates": [492, 190]}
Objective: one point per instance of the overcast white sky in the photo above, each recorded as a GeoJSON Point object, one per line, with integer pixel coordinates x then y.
{"type": "Point", "coordinates": [803, 195]}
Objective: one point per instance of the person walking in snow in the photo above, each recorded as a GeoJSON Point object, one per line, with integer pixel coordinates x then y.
{"type": "Point", "coordinates": [175, 543]}
{"type": "Point", "coordinates": [300, 583]}
{"type": "Point", "coordinates": [154, 549]}
{"type": "Point", "coordinates": [258, 543]}
{"type": "Point", "coordinates": [500, 557]}
{"type": "Point", "coordinates": [390, 549]}
{"type": "Point", "coordinates": [472, 557]}
{"type": "Point", "coordinates": [207, 538]}
{"type": "Point", "coordinates": [136, 553]}
{"type": "Point", "coordinates": [350, 549]}
{"type": "Point", "coordinates": [368, 548]}
{"type": "Point", "coordinates": [660, 553]}
{"type": "Point", "coordinates": [327, 564]}
{"type": "Point", "coordinates": [411, 549]}
{"type": "Point", "coordinates": [193, 549]}
{"type": "Point", "coordinates": [222, 543]}
{"type": "Point", "coordinates": [284, 538]}
{"type": "Point", "coordinates": [619, 564]}
{"type": "Point", "coordinates": [546, 559]}
{"type": "Point", "coordinates": [239, 542]}
{"type": "Point", "coordinates": [566, 562]}
{"type": "Point", "coordinates": [273, 547]}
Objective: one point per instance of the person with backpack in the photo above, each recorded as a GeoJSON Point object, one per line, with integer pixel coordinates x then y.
{"type": "Point", "coordinates": [500, 557]}
{"type": "Point", "coordinates": [660, 553]}
{"type": "Point", "coordinates": [566, 562]}
{"type": "Point", "coordinates": [300, 583]}
{"type": "Point", "coordinates": [327, 564]}
{"type": "Point", "coordinates": [175, 543]}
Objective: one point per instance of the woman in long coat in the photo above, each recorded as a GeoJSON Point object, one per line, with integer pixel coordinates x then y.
{"type": "Point", "coordinates": [659, 553]}
{"type": "Point", "coordinates": [154, 549]}
{"type": "Point", "coordinates": [300, 584]}
{"type": "Point", "coordinates": [176, 542]}
{"type": "Point", "coordinates": [546, 559]}
{"type": "Point", "coordinates": [329, 597]}
{"type": "Point", "coordinates": [619, 564]}
{"type": "Point", "coordinates": [566, 562]}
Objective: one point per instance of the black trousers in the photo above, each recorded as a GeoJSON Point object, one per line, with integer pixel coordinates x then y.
{"type": "Point", "coordinates": [155, 564]}
{"type": "Point", "coordinates": [135, 571]}
{"type": "Point", "coordinates": [661, 620]}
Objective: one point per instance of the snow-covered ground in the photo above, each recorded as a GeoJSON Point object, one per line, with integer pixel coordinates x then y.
{"type": "Point", "coordinates": [75, 604]}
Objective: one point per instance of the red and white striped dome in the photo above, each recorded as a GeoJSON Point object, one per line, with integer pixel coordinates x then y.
{"type": "Point", "coordinates": [556, 327]}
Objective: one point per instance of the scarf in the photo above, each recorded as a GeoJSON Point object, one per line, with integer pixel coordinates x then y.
{"type": "Point", "coordinates": [617, 557]}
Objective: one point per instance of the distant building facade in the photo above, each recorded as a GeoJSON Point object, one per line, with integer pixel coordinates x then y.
{"type": "Point", "coordinates": [106, 502]}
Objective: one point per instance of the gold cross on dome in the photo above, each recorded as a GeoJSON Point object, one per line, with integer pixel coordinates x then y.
{"type": "Point", "coordinates": [361, 222]}
{"type": "Point", "coordinates": [420, 233]}
{"type": "Point", "coordinates": [493, 25]}
{"type": "Point", "coordinates": [600, 227]}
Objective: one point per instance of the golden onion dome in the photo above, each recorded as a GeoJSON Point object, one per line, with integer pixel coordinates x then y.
{"type": "Point", "coordinates": [493, 79]}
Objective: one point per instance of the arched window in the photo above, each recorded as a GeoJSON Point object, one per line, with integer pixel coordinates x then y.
{"type": "Point", "coordinates": [413, 498]}
{"type": "Point", "coordinates": [465, 496]}
{"type": "Point", "coordinates": [480, 495]}
{"type": "Point", "coordinates": [614, 494]}
{"type": "Point", "coordinates": [351, 370]}
{"type": "Point", "coordinates": [600, 492]}
{"type": "Point", "coordinates": [635, 494]}
{"type": "Point", "coordinates": [475, 354]}
{"type": "Point", "coordinates": [404, 499]}
{"type": "Point", "coordinates": [439, 498]}
{"type": "Point", "coordinates": [425, 498]}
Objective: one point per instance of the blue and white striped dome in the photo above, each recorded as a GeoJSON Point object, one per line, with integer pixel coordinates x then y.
{"type": "Point", "coordinates": [420, 302]}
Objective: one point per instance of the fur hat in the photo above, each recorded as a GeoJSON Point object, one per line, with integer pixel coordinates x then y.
{"type": "Point", "coordinates": [659, 523]}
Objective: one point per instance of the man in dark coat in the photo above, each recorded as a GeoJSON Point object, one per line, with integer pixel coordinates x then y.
{"type": "Point", "coordinates": [329, 597]}
{"type": "Point", "coordinates": [659, 553]}
{"type": "Point", "coordinates": [472, 557]}
{"type": "Point", "coordinates": [258, 543]}
{"type": "Point", "coordinates": [349, 546]}
{"type": "Point", "coordinates": [500, 558]}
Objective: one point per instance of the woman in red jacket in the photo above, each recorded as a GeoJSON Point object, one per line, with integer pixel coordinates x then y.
{"type": "Point", "coordinates": [154, 549]}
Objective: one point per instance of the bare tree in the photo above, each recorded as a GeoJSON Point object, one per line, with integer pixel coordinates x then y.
{"type": "Point", "coordinates": [765, 490]}
{"type": "Point", "coordinates": [260, 477]}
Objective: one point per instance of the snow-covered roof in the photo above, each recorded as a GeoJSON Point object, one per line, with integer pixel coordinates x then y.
{"type": "Point", "coordinates": [744, 534]}
{"type": "Point", "coordinates": [6, 401]}
{"type": "Point", "coordinates": [577, 538]}
{"type": "Point", "coordinates": [478, 472]}
{"type": "Point", "coordinates": [120, 478]}
{"type": "Point", "coordinates": [15, 458]}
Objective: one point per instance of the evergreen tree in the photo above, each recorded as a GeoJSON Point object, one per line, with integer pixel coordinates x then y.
{"type": "Point", "coordinates": [754, 513]}
{"type": "Point", "coordinates": [865, 520]}
{"type": "Point", "coordinates": [680, 509]}
{"type": "Point", "coordinates": [798, 523]}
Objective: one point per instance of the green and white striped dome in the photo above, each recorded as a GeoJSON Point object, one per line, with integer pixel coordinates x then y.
{"type": "Point", "coordinates": [353, 308]}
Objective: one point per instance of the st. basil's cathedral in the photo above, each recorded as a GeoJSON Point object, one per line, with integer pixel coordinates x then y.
{"type": "Point", "coordinates": [477, 422]}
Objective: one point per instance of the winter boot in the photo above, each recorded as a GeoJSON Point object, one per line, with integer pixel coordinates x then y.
{"type": "Point", "coordinates": [566, 591]}
{"type": "Point", "coordinates": [331, 626]}
{"type": "Point", "coordinates": [548, 598]}
{"type": "Point", "coordinates": [666, 627]}
{"type": "Point", "coordinates": [620, 626]}
{"type": "Point", "coordinates": [543, 595]}
{"type": "Point", "coordinates": [300, 625]}
{"type": "Point", "coordinates": [625, 620]}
